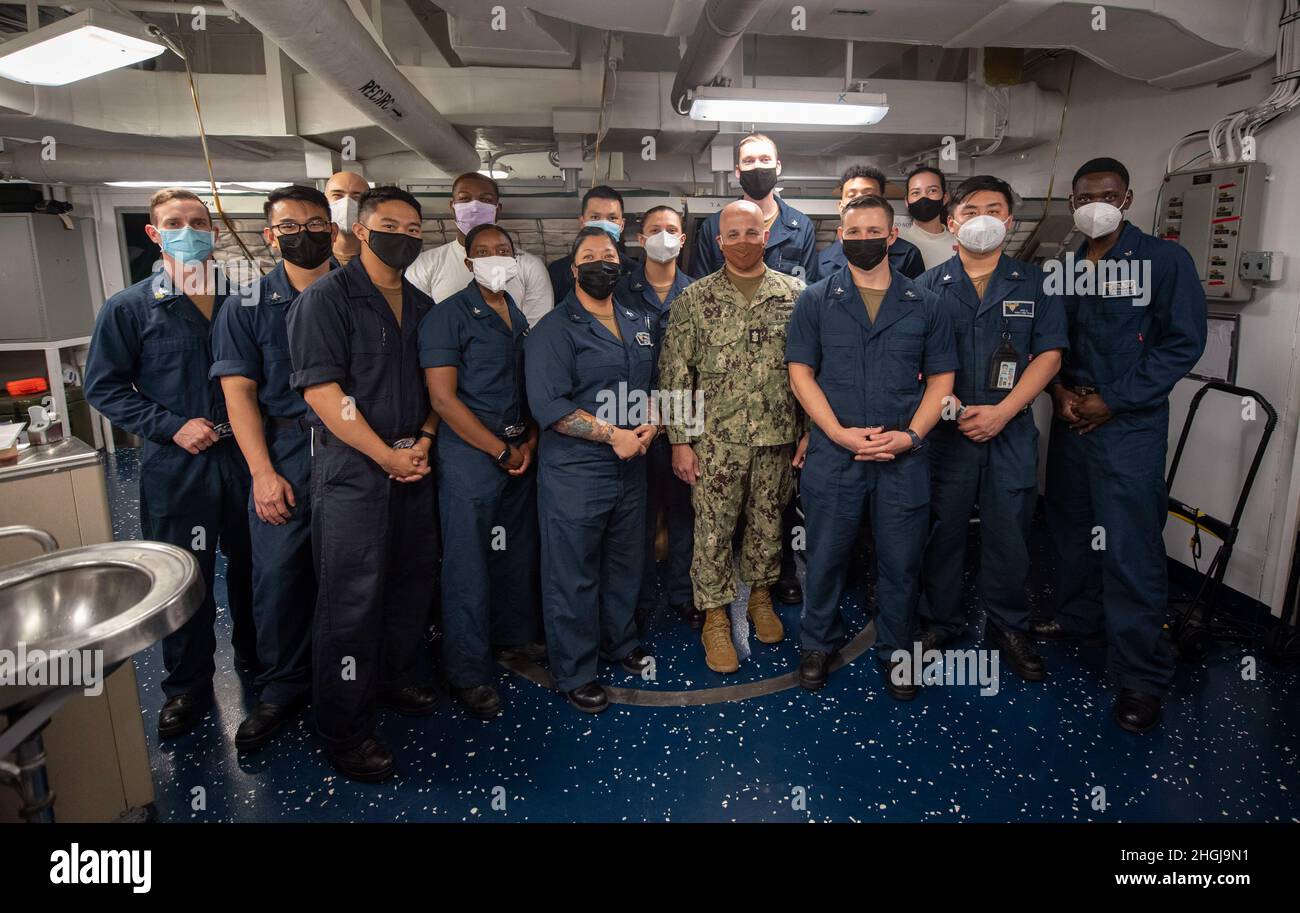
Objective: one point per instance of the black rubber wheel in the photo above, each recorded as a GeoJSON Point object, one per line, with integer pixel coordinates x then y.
{"type": "Point", "coordinates": [1194, 643]}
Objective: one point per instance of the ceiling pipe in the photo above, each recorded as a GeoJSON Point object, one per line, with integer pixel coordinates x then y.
{"type": "Point", "coordinates": [334, 46]}
{"type": "Point", "coordinates": [82, 165]}
{"type": "Point", "coordinates": [719, 28]}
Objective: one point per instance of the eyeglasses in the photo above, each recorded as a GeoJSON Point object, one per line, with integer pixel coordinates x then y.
{"type": "Point", "coordinates": [292, 228]}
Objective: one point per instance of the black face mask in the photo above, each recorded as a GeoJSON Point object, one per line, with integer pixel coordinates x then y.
{"type": "Point", "coordinates": [306, 249]}
{"type": "Point", "coordinates": [758, 182]}
{"type": "Point", "coordinates": [598, 277]}
{"type": "Point", "coordinates": [396, 249]}
{"type": "Point", "coordinates": [925, 209]}
{"type": "Point", "coordinates": [865, 253]}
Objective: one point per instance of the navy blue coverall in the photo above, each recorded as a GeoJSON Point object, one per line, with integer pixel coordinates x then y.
{"type": "Point", "coordinates": [250, 340]}
{"type": "Point", "coordinates": [489, 518]}
{"type": "Point", "coordinates": [664, 491]}
{"type": "Point", "coordinates": [374, 540]}
{"type": "Point", "coordinates": [873, 374]}
{"type": "Point", "coordinates": [591, 504]}
{"type": "Point", "coordinates": [790, 246]}
{"type": "Point", "coordinates": [147, 371]}
{"type": "Point", "coordinates": [1001, 475]}
{"type": "Point", "coordinates": [1131, 340]}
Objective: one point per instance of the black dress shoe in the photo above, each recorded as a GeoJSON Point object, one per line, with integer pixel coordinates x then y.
{"type": "Point", "coordinates": [1018, 650]}
{"type": "Point", "coordinates": [533, 652]}
{"type": "Point", "coordinates": [935, 638]}
{"type": "Point", "coordinates": [814, 666]}
{"type": "Point", "coordinates": [1136, 711]}
{"type": "Point", "coordinates": [266, 719]}
{"type": "Point", "coordinates": [369, 762]}
{"type": "Point", "coordinates": [482, 701]}
{"type": "Point", "coordinates": [1043, 628]}
{"type": "Point", "coordinates": [589, 698]}
{"type": "Point", "coordinates": [692, 616]}
{"type": "Point", "coordinates": [182, 713]}
{"type": "Point", "coordinates": [899, 692]}
{"type": "Point", "coordinates": [635, 662]}
{"type": "Point", "coordinates": [413, 700]}
{"type": "Point", "coordinates": [788, 591]}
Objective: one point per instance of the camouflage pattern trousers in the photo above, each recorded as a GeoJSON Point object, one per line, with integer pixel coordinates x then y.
{"type": "Point", "coordinates": [734, 478]}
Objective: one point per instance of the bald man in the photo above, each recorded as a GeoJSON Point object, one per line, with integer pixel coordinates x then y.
{"type": "Point", "coordinates": [726, 345]}
{"type": "Point", "coordinates": [344, 190]}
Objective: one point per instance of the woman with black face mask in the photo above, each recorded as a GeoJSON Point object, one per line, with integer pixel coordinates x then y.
{"type": "Point", "coordinates": [588, 367]}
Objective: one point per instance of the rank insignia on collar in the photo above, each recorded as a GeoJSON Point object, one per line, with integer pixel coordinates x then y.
{"type": "Point", "coordinates": [1128, 253]}
{"type": "Point", "coordinates": [159, 294]}
{"type": "Point", "coordinates": [794, 222]}
{"type": "Point", "coordinates": [276, 296]}
{"type": "Point", "coordinates": [909, 294]}
{"type": "Point", "coordinates": [947, 277]}
{"type": "Point", "coordinates": [477, 312]}
{"type": "Point", "coordinates": [838, 290]}
{"type": "Point", "coordinates": [629, 315]}
{"type": "Point", "coordinates": [1015, 274]}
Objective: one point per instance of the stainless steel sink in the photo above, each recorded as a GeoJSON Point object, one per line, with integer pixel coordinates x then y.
{"type": "Point", "coordinates": [65, 610]}
{"type": "Point", "coordinates": [116, 597]}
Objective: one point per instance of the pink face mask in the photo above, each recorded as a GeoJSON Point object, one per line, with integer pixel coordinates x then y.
{"type": "Point", "coordinates": [473, 213]}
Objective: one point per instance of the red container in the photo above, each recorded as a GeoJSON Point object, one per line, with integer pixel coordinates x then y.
{"type": "Point", "coordinates": [28, 386]}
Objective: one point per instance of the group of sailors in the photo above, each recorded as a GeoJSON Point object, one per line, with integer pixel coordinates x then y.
{"type": "Point", "coordinates": [374, 431]}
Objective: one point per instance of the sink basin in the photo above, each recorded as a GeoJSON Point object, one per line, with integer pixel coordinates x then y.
{"type": "Point", "coordinates": [116, 597]}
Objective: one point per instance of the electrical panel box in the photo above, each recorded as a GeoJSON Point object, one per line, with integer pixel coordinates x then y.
{"type": "Point", "coordinates": [1213, 212]}
{"type": "Point", "coordinates": [46, 288]}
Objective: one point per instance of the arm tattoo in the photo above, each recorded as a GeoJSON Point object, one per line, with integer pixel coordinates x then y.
{"type": "Point", "coordinates": [581, 423]}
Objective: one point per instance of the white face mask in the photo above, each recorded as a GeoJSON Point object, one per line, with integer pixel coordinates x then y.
{"type": "Point", "coordinates": [1097, 219]}
{"type": "Point", "coordinates": [982, 234]}
{"type": "Point", "coordinates": [495, 272]}
{"type": "Point", "coordinates": [663, 247]}
{"type": "Point", "coordinates": [343, 212]}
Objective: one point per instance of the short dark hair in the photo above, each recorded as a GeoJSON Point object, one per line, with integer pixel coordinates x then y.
{"type": "Point", "coordinates": [1099, 166]}
{"type": "Point", "coordinates": [602, 192]}
{"type": "Point", "coordinates": [854, 172]}
{"type": "Point", "coordinates": [479, 229]}
{"type": "Point", "coordinates": [309, 195]}
{"type": "Point", "coordinates": [480, 176]}
{"type": "Point", "coordinates": [926, 169]}
{"type": "Point", "coordinates": [371, 199]}
{"type": "Point", "coordinates": [978, 182]}
{"type": "Point", "coordinates": [589, 231]}
{"type": "Point", "coordinates": [869, 201]}
{"type": "Point", "coordinates": [663, 207]}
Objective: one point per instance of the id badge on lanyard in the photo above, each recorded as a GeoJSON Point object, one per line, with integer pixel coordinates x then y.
{"type": "Point", "coordinates": [1004, 366]}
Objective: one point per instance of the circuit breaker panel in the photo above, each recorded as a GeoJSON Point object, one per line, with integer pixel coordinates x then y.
{"type": "Point", "coordinates": [1214, 213]}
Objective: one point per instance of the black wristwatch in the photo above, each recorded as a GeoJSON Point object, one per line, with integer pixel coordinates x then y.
{"type": "Point", "coordinates": [917, 441]}
{"type": "Point", "coordinates": [433, 438]}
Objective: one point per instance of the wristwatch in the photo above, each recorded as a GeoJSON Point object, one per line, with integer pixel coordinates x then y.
{"type": "Point", "coordinates": [917, 441]}
{"type": "Point", "coordinates": [433, 438]}
{"type": "Point", "coordinates": [504, 457]}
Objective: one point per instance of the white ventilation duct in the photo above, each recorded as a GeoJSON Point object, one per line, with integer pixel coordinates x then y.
{"type": "Point", "coordinates": [719, 28]}
{"type": "Point", "coordinates": [329, 42]}
{"type": "Point", "coordinates": [81, 165]}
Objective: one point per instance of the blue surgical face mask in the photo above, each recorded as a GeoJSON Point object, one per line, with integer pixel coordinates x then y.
{"type": "Point", "coordinates": [611, 227]}
{"type": "Point", "coordinates": [186, 244]}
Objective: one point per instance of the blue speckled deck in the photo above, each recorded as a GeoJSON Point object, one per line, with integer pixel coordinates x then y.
{"type": "Point", "coordinates": [1226, 752]}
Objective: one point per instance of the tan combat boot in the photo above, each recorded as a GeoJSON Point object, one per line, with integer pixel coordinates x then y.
{"type": "Point", "coordinates": [719, 651]}
{"type": "Point", "coordinates": [767, 627]}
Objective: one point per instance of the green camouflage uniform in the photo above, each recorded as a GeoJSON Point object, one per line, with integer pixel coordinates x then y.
{"type": "Point", "coordinates": [734, 351]}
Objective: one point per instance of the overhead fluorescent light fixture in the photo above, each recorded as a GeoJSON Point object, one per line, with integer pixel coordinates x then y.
{"type": "Point", "coordinates": [781, 106]}
{"type": "Point", "coordinates": [496, 174]}
{"type": "Point", "coordinates": [76, 47]}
